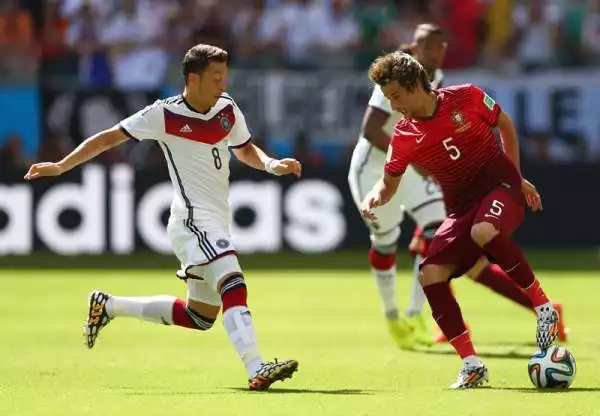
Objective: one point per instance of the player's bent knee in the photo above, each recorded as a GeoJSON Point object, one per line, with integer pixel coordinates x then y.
{"type": "Point", "coordinates": [202, 315]}
{"type": "Point", "coordinates": [381, 241]}
{"type": "Point", "coordinates": [203, 308]}
{"type": "Point", "coordinates": [433, 273]}
{"type": "Point", "coordinates": [483, 232]}
{"type": "Point", "coordinates": [233, 291]}
{"type": "Point", "coordinates": [422, 239]}
{"type": "Point", "coordinates": [384, 249]}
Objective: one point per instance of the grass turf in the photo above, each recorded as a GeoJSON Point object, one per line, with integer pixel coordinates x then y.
{"type": "Point", "coordinates": [329, 321]}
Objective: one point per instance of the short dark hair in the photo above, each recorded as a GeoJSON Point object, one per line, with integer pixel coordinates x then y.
{"type": "Point", "coordinates": [197, 58]}
{"type": "Point", "coordinates": [400, 67]}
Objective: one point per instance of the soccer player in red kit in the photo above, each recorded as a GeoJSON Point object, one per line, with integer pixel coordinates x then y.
{"type": "Point", "coordinates": [449, 133]}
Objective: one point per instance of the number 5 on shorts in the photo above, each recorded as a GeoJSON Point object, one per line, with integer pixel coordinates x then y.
{"type": "Point", "coordinates": [495, 209]}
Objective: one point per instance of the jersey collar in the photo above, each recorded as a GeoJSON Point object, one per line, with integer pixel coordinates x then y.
{"type": "Point", "coordinates": [191, 108]}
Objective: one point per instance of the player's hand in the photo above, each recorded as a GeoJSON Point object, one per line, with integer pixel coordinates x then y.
{"type": "Point", "coordinates": [367, 206]}
{"type": "Point", "coordinates": [532, 196]}
{"type": "Point", "coordinates": [287, 166]}
{"type": "Point", "coordinates": [43, 169]}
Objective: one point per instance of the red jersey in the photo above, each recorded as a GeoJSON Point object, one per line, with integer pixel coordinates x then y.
{"type": "Point", "coordinates": [456, 145]}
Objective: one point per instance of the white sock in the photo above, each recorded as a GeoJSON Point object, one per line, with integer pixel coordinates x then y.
{"type": "Point", "coordinates": [472, 361]}
{"type": "Point", "coordinates": [238, 324]}
{"type": "Point", "coordinates": [386, 285]}
{"type": "Point", "coordinates": [158, 309]}
{"type": "Point", "coordinates": [417, 296]}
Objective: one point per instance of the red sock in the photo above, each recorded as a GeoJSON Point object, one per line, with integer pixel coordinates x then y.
{"type": "Point", "coordinates": [510, 258]}
{"type": "Point", "coordinates": [447, 314]}
{"type": "Point", "coordinates": [463, 345]}
{"type": "Point", "coordinates": [235, 297]}
{"type": "Point", "coordinates": [494, 278]}
{"type": "Point", "coordinates": [180, 316]}
{"type": "Point", "coordinates": [536, 294]}
{"type": "Point", "coordinates": [380, 261]}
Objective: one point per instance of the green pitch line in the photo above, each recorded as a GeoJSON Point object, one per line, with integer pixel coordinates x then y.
{"type": "Point", "coordinates": [564, 260]}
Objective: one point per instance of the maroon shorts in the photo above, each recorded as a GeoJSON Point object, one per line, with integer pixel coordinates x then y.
{"type": "Point", "coordinates": [453, 245]}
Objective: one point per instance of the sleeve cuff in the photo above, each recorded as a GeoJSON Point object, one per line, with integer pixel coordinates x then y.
{"type": "Point", "coordinates": [496, 116]}
{"type": "Point", "coordinates": [124, 130]}
{"type": "Point", "coordinates": [238, 146]}
{"type": "Point", "coordinates": [394, 174]}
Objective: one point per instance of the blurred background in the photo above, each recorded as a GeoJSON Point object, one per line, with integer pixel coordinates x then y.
{"type": "Point", "coordinates": [69, 68]}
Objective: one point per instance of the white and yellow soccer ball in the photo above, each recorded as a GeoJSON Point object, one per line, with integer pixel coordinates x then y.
{"type": "Point", "coordinates": [552, 368]}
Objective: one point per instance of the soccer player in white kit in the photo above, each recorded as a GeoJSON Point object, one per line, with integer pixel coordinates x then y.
{"type": "Point", "coordinates": [195, 131]}
{"type": "Point", "coordinates": [418, 196]}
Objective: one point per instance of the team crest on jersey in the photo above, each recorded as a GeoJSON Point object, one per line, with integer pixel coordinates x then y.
{"type": "Point", "coordinates": [460, 122]}
{"type": "Point", "coordinates": [222, 243]}
{"type": "Point", "coordinates": [225, 123]}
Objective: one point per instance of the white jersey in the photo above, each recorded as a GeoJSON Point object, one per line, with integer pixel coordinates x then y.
{"type": "Point", "coordinates": [196, 149]}
{"type": "Point", "coordinates": [364, 149]}
{"type": "Point", "coordinates": [417, 196]}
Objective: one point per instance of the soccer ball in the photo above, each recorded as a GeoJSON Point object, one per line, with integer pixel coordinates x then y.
{"type": "Point", "coordinates": [553, 368]}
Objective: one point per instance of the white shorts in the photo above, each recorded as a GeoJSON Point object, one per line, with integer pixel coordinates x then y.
{"type": "Point", "coordinates": [206, 257]}
{"type": "Point", "coordinates": [420, 198]}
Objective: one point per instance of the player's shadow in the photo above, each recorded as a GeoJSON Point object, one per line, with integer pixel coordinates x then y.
{"type": "Point", "coordinates": [506, 355]}
{"type": "Point", "coordinates": [554, 391]}
{"type": "Point", "coordinates": [165, 393]}
{"type": "Point", "coordinates": [333, 392]}
{"type": "Point", "coordinates": [528, 344]}
{"type": "Point", "coordinates": [151, 391]}
{"type": "Point", "coordinates": [155, 391]}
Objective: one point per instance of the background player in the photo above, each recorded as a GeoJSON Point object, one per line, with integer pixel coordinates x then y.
{"type": "Point", "coordinates": [420, 197]}
{"type": "Point", "coordinates": [449, 133]}
{"type": "Point", "coordinates": [195, 130]}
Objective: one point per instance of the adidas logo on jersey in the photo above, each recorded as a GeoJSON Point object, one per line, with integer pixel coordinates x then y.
{"type": "Point", "coordinates": [186, 129]}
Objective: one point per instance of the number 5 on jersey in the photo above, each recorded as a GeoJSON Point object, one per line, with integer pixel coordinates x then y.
{"type": "Point", "coordinates": [452, 150]}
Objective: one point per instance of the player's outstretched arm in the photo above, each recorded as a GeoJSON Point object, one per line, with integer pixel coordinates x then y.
{"type": "Point", "coordinates": [253, 156]}
{"type": "Point", "coordinates": [87, 150]}
{"type": "Point", "coordinates": [510, 141]}
{"type": "Point", "coordinates": [372, 126]}
{"type": "Point", "coordinates": [381, 194]}
{"type": "Point", "coordinates": [511, 147]}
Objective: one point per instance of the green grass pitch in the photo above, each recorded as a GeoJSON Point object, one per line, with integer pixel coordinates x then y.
{"type": "Point", "coordinates": [329, 321]}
